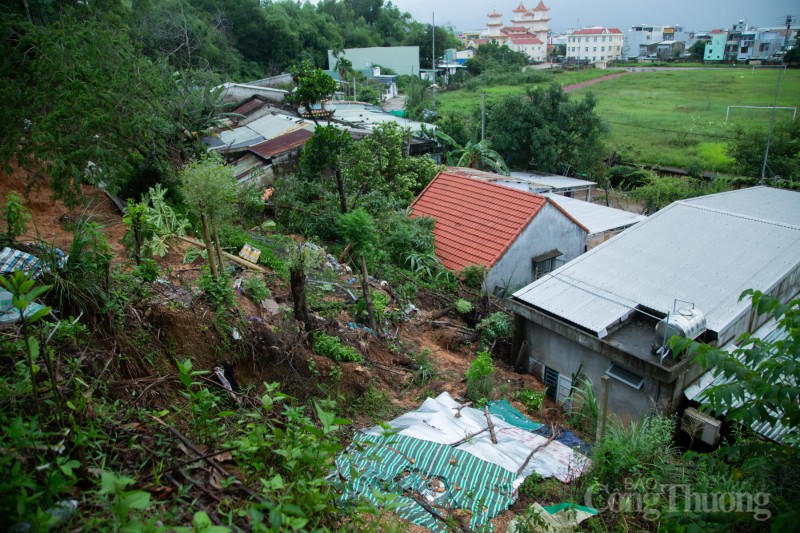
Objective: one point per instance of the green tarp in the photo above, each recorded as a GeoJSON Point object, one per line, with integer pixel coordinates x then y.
{"type": "Point", "coordinates": [453, 478]}
{"type": "Point", "coordinates": [504, 411]}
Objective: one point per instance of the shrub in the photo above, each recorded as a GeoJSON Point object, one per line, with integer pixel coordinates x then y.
{"type": "Point", "coordinates": [332, 347]}
{"type": "Point", "coordinates": [463, 307]}
{"type": "Point", "coordinates": [495, 326]}
{"type": "Point", "coordinates": [473, 276]}
{"type": "Point", "coordinates": [15, 216]}
{"type": "Point", "coordinates": [480, 377]}
{"type": "Point", "coordinates": [255, 288]}
{"type": "Point", "coordinates": [218, 290]}
{"type": "Point", "coordinates": [531, 399]}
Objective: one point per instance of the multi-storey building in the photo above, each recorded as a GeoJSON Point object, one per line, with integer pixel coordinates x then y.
{"type": "Point", "coordinates": [527, 33]}
{"type": "Point", "coordinates": [595, 44]}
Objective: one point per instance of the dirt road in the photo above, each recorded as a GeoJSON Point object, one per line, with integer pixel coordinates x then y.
{"type": "Point", "coordinates": [570, 88]}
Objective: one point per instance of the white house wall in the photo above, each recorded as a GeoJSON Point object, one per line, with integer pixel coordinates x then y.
{"type": "Point", "coordinates": [549, 229]}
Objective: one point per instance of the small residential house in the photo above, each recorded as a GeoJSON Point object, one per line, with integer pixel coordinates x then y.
{"type": "Point", "coordinates": [682, 271]}
{"type": "Point", "coordinates": [518, 235]}
{"type": "Point", "coordinates": [601, 222]}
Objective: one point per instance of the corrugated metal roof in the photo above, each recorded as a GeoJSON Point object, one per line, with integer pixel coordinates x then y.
{"type": "Point", "coordinates": [249, 106]}
{"type": "Point", "coordinates": [476, 221]}
{"type": "Point", "coordinates": [595, 218]}
{"type": "Point", "coordinates": [765, 203]}
{"type": "Point", "coordinates": [282, 144]}
{"type": "Point", "coordinates": [697, 390]}
{"type": "Point", "coordinates": [552, 181]}
{"type": "Point", "coordinates": [685, 251]}
{"type": "Point", "coordinates": [265, 128]}
{"type": "Point", "coordinates": [369, 115]}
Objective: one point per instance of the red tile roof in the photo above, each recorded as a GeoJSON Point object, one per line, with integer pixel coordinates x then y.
{"type": "Point", "coordinates": [541, 7]}
{"type": "Point", "coordinates": [476, 221]}
{"type": "Point", "coordinates": [281, 144]}
{"type": "Point", "coordinates": [526, 40]}
{"type": "Point", "coordinates": [520, 9]}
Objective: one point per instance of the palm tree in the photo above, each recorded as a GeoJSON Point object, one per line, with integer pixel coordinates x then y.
{"type": "Point", "coordinates": [473, 155]}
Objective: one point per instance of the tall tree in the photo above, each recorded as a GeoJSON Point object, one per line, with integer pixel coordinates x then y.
{"type": "Point", "coordinates": [80, 105]}
{"type": "Point", "coordinates": [783, 161]}
{"type": "Point", "coordinates": [550, 131]}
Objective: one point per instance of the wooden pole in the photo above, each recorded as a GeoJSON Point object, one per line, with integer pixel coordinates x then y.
{"type": "Point", "coordinates": [601, 418]}
{"type": "Point", "coordinates": [207, 239]}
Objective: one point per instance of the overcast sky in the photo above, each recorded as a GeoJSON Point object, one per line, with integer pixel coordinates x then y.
{"type": "Point", "coordinates": [694, 15]}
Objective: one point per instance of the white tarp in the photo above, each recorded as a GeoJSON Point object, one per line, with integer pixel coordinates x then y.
{"type": "Point", "coordinates": [435, 421]}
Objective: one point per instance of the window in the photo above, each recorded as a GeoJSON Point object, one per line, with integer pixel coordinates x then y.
{"type": "Point", "coordinates": [602, 58]}
{"type": "Point", "coordinates": [626, 376]}
{"type": "Point", "coordinates": [603, 39]}
{"type": "Point", "coordinates": [545, 263]}
{"type": "Point", "coordinates": [594, 49]}
{"type": "Point", "coordinates": [595, 39]}
{"type": "Point", "coordinates": [602, 48]}
{"type": "Point", "coordinates": [586, 49]}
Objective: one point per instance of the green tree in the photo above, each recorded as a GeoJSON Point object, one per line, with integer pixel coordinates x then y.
{"type": "Point", "coordinates": [750, 145]}
{"type": "Point", "coordinates": [473, 155]}
{"type": "Point", "coordinates": [550, 131]}
{"type": "Point", "coordinates": [208, 187]}
{"type": "Point", "coordinates": [322, 156]}
{"type": "Point", "coordinates": [81, 106]}
{"type": "Point", "coordinates": [313, 86]}
{"type": "Point", "coordinates": [697, 51]}
{"type": "Point", "coordinates": [357, 228]}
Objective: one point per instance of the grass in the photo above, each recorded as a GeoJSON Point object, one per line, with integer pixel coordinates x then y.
{"type": "Point", "coordinates": [464, 102]}
{"type": "Point", "coordinates": [667, 117]}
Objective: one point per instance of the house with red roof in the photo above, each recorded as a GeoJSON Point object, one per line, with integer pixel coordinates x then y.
{"type": "Point", "coordinates": [527, 32]}
{"type": "Point", "coordinates": [519, 236]}
{"type": "Point", "coordinates": [595, 44]}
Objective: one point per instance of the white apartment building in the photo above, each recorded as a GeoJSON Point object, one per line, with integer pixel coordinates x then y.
{"type": "Point", "coordinates": [595, 44]}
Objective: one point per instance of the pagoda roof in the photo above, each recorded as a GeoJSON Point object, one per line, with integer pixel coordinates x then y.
{"type": "Point", "coordinates": [494, 14]}
{"type": "Point", "coordinates": [541, 7]}
{"type": "Point", "coordinates": [520, 9]}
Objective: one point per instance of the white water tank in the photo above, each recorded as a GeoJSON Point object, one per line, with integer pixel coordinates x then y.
{"type": "Point", "coordinates": [688, 322]}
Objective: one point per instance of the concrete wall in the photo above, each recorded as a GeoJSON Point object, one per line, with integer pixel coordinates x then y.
{"type": "Point", "coordinates": [549, 229]}
{"type": "Point", "coordinates": [401, 59]}
{"type": "Point", "coordinates": [565, 356]}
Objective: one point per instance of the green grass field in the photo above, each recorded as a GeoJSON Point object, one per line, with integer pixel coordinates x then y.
{"type": "Point", "coordinates": [672, 118]}
{"type": "Point", "coordinates": [464, 102]}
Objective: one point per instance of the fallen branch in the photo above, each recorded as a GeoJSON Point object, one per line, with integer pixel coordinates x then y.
{"type": "Point", "coordinates": [465, 439]}
{"type": "Point", "coordinates": [460, 407]}
{"type": "Point", "coordinates": [491, 425]}
{"type": "Point", "coordinates": [530, 455]}
{"type": "Point", "coordinates": [230, 257]}
{"type": "Point", "coordinates": [425, 505]}
{"type": "Point", "coordinates": [442, 312]}
{"type": "Point", "coordinates": [215, 465]}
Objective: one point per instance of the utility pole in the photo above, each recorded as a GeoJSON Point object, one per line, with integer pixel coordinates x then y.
{"type": "Point", "coordinates": [433, 57]}
{"type": "Point", "coordinates": [483, 117]}
{"type": "Point", "coordinates": [789, 21]}
{"type": "Point", "coordinates": [771, 122]}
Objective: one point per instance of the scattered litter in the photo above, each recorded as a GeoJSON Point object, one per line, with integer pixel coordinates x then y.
{"type": "Point", "coordinates": [340, 287]}
{"type": "Point", "coordinates": [561, 518]}
{"type": "Point", "coordinates": [250, 253]}
{"type": "Point", "coordinates": [59, 515]}
{"type": "Point", "coordinates": [410, 308]}
{"type": "Point", "coordinates": [236, 335]}
{"type": "Point", "coordinates": [353, 325]}
{"type": "Point", "coordinates": [270, 306]}
{"type": "Point", "coordinates": [223, 380]}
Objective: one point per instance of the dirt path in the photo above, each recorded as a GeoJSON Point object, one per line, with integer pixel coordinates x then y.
{"type": "Point", "coordinates": [570, 88]}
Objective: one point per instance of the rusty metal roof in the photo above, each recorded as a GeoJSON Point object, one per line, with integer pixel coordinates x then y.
{"type": "Point", "coordinates": [281, 144]}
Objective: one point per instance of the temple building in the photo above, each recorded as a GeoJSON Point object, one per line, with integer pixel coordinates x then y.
{"type": "Point", "coordinates": [527, 32]}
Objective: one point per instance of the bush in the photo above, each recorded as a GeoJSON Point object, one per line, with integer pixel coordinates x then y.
{"type": "Point", "coordinates": [495, 326]}
{"type": "Point", "coordinates": [332, 347]}
{"type": "Point", "coordinates": [480, 377]}
{"type": "Point", "coordinates": [472, 276]}
{"type": "Point", "coordinates": [463, 307]}
{"type": "Point", "coordinates": [531, 399]}
{"type": "Point", "coordinates": [255, 288]}
{"type": "Point", "coordinates": [219, 291]}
